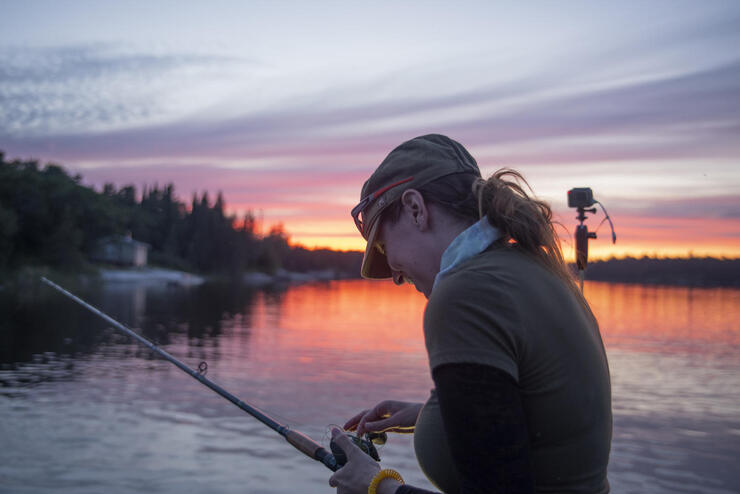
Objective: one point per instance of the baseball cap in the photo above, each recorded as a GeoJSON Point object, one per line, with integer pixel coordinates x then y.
{"type": "Point", "coordinates": [411, 165]}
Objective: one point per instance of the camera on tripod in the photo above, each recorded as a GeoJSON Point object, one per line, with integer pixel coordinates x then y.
{"type": "Point", "coordinates": [582, 198]}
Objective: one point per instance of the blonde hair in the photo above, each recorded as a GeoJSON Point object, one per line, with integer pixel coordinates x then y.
{"type": "Point", "coordinates": [523, 220]}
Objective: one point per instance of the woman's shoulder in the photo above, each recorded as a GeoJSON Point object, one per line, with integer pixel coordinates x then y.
{"type": "Point", "coordinates": [498, 267]}
{"type": "Point", "coordinates": [502, 279]}
{"type": "Point", "coordinates": [486, 280]}
{"type": "Point", "coordinates": [473, 317]}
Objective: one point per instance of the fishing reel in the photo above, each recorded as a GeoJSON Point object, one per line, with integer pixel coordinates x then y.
{"type": "Point", "coordinates": [366, 444]}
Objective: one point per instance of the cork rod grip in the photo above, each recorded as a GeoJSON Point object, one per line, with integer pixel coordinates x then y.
{"type": "Point", "coordinates": [302, 443]}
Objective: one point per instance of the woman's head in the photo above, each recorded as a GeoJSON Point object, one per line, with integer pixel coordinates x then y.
{"type": "Point", "coordinates": [411, 165]}
{"type": "Point", "coordinates": [451, 201]}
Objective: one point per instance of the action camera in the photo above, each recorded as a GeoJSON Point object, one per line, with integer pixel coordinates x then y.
{"type": "Point", "coordinates": [580, 197]}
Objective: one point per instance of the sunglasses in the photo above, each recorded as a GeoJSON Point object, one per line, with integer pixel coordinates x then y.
{"type": "Point", "coordinates": [358, 212]}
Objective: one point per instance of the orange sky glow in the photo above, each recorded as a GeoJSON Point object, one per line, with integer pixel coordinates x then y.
{"type": "Point", "coordinates": [636, 236]}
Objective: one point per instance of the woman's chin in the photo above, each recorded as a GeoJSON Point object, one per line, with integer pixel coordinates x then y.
{"type": "Point", "coordinates": [422, 290]}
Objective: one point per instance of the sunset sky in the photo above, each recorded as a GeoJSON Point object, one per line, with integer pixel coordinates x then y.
{"type": "Point", "coordinates": [287, 107]}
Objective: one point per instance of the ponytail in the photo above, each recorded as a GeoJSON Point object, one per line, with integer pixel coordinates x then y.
{"type": "Point", "coordinates": [522, 220]}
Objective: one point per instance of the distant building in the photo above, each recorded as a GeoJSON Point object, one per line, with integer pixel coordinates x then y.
{"type": "Point", "coordinates": [122, 250]}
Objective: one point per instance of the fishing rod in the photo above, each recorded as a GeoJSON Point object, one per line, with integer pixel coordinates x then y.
{"type": "Point", "coordinates": [300, 441]}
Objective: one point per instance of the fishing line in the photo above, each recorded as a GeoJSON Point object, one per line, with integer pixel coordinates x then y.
{"type": "Point", "coordinates": [326, 438]}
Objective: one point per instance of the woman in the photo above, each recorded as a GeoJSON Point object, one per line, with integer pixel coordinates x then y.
{"type": "Point", "coordinates": [522, 398]}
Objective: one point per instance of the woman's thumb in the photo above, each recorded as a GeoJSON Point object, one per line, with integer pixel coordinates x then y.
{"type": "Point", "coordinates": [344, 442]}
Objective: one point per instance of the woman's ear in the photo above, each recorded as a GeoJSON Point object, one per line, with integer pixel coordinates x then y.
{"type": "Point", "coordinates": [415, 206]}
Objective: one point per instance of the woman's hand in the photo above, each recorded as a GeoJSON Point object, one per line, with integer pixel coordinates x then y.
{"type": "Point", "coordinates": [386, 416]}
{"type": "Point", "coordinates": [355, 476]}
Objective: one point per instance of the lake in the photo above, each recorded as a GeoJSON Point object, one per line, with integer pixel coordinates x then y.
{"type": "Point", "coordinates": [86, 410]}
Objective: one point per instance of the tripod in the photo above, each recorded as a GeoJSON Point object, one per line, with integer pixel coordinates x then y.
{"type": "Point", "coordinates": [582, 236]}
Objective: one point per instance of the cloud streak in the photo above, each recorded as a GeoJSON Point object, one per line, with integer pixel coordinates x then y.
{"type": "Point", "coordinates": [690, 114]}
{"type": "Point", "coordinates": [89, 88]}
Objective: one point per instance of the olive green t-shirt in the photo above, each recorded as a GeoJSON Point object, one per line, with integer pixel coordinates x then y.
{"type": "Point", "coordinates": [503, 309]}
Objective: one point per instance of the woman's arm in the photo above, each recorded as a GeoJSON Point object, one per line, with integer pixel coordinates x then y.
{"type": "Point", "coordinates": [486, 431]}
{"type": "Point", "coordinates": [486, 428]}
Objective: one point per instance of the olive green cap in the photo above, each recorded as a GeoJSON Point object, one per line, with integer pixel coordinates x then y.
{"type": "Point", "coordinates": [409, 166]}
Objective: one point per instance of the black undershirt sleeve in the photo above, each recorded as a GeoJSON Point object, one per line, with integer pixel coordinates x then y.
{"type": "Point", "coordinates": [486, 429]}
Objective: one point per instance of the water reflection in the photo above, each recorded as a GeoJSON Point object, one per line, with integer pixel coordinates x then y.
{"type": "Point", "coordinates": [355, 317]}
{"type": "Point", "coordinates": [75, 392]}
{"type": "Point", "coordinates": [660, 318]}
{"type": "Point", "coordinates": [37, 320]}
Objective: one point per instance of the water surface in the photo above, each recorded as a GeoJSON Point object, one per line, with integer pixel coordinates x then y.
{"type": "Point", "coordinates": [87, 410]}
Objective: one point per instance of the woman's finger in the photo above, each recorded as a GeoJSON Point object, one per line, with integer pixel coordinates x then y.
{"type": "Point", "coordinates": [379, 411]}
{"type": "Point", "coordinates": [386, 425]}
{"type": "Point", "coordinates": [351, 424]}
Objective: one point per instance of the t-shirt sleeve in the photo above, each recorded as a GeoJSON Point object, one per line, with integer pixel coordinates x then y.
{"type": "Point", "coordinates": [472, 319]}
{"type": "Point", "coordinates": [486, 428]}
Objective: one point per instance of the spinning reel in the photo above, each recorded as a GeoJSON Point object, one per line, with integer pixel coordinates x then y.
{"type": "Point", "coordinates": [366, 444]}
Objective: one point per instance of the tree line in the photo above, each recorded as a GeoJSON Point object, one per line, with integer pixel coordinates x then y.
{"type": "Point", "coordinates": [48, 217]}
{"type": "Point", "coordinates": [692, 271]}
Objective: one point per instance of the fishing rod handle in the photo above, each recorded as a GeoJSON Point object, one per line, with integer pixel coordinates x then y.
{"type": "Point", "coordinates": [302, 442]}
{"type": "Point", "coordinates": [310, 448]}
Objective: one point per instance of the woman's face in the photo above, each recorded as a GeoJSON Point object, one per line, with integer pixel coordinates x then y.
{"type": "Point", "coordinates": [404, 247]}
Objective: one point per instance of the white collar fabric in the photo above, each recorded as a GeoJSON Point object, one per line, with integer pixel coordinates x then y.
{"type": "Point", "coordinates": [469, 243]}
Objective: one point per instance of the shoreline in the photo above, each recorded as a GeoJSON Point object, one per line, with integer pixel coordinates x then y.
{"type": "Point", "coordinates": [172, 277]}
{"type": "Point", "coordinates": [697, 273]}
{"type": "Point", "coordinates": [149, 276]}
